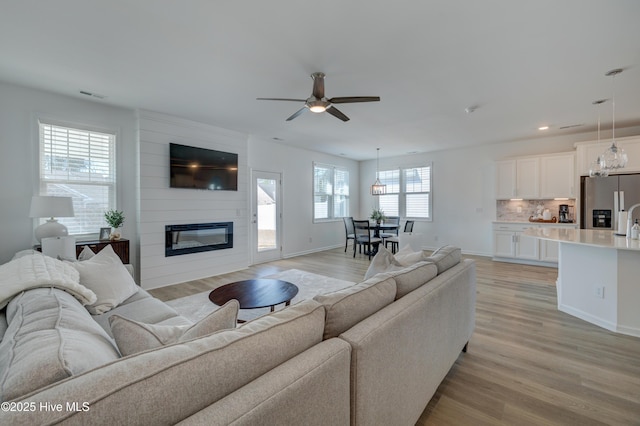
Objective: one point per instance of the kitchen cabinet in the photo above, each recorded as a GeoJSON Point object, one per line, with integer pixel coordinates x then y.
{"type": "Point", "coordinates": [536, 177]}
{"type": "Point", "coordinates": [510, 245]}
{"type": "Point", "coordinates": [505, 179]}
{"type": "Point", "coordinates": [588, 152]}
{"type": "Point", "coordinates": [517, 178]}
{"type": "Point", "coordinates": [557, 176]}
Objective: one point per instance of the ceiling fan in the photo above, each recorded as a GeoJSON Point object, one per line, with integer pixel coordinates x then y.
{"type": "Point", "coordinates": [317, 102]}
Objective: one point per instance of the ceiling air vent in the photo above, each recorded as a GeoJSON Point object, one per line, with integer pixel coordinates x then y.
{"type": "Point", "coordinates": [93, 95]}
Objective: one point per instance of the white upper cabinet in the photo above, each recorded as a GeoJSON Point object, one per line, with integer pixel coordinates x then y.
{"type": "Point", "coordinates": [539, 177]}
{"type": "Point", "coordinates": [588, 152]}
{"type": "Point", "coordinates": [528, 177]}
{"type": "Point", "coordinates": [557, 173]}
{"type": "Point", "coordinates": [505, 179]}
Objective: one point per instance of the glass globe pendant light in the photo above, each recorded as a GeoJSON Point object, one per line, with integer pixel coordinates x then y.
{"type": "Point", "coordinates": [595, 168]}
{"type": "Point", "coordinates": [614, 157]}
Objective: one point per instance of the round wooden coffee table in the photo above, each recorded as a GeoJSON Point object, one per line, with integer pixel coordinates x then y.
{"type": "Point", "coordinates": [253, 294]}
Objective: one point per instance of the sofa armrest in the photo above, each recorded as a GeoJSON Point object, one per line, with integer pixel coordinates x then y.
{"type": "Point", "coordinates": [401, 353]}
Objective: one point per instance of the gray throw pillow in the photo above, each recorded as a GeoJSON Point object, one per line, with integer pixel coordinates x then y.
{"type": "Point", "coordinates": [134, 336]}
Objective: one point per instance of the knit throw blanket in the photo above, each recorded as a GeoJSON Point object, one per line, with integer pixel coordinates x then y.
{"type": "Point", "coordinates": [36, 270]}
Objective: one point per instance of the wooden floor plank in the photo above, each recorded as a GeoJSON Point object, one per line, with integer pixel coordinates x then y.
{"type": "Point", "coordinates": [527, 363]}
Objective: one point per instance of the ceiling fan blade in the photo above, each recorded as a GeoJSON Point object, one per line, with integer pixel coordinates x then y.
{"type": "Point", "coordinates": [354, 99]}
{"type": "Point", "coordinates": [337, 113]}
{"type": "Point", "coordinates": [281, 99]}
{"type": "Point", "coordinates": [297, 113]}
{"type": "Point", "coordinates": [318, 84]}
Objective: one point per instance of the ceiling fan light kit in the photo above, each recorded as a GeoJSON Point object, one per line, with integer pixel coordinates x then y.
{"type": "Point", "coordinates": [318, 103]}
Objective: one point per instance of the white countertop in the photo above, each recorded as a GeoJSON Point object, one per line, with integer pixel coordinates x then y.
{"type": "Point", "coordinates": [588, 237]}
{"type": "Point", "coordinates": [526, 222]}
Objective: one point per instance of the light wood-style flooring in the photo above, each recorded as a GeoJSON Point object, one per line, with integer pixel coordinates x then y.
{"type": "Point", "coordinates": [527, 363]}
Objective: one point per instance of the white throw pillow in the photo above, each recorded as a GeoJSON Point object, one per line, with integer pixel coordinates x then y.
{"type": "Point", "coordinates": [133, 336]}
{"type": "Point", "coordinates": [86, 254]}
{"type": "Point", "coordinates": [383, 261]}
{"type": "Point", "coordinates": [107, 277]}
{"type": "Point", "coordinates": [407, 257]}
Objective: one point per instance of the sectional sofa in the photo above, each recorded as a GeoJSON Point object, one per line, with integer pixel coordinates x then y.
{"type": "Point", "coordinates": [370, 354]}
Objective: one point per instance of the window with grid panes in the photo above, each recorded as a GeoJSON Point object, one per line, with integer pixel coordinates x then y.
{"type": "Point", "coordinates": [408, 192]}
{"type": "Point", "coordinates": [330, 192]}
{"type": "Point", "coordinates": [80, 164]}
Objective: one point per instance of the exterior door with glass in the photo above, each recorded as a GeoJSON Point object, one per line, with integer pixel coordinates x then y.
{"type": "Point", "coordinates": [266, 217]}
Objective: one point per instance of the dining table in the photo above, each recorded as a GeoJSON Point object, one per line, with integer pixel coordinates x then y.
{"type": "Point", "coordinates": [377, 228]}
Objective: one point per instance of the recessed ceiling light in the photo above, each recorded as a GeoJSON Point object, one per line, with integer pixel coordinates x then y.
{"type": "Point", "coordinates": [543, 128]}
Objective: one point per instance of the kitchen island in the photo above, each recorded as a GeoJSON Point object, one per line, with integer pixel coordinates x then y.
{"type": "Point", "coordinates": [598, 277]}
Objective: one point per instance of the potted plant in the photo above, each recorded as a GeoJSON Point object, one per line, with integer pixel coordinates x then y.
{"type": "Point", "coordinates": [377, 215]}
{"type": "Point", "coordinates": [114, 219]}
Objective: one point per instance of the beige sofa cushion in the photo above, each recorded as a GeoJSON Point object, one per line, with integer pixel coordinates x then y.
{"type": "Point", "coordinates": [445, 257]}
{"type": "Point", "coordinates": [134, 336]}
{"type": "Point", "coordinates": [412, 277]}
{"type": "Point", "coordinates": [107, 277]}
{"type": "Point", "coordinates": [50, 336]}
{"type": "Point", "coordinates": [348, 306]}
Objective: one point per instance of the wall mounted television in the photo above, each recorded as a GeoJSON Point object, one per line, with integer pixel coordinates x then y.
{"type": "Point", "coordinates": [201, 168]}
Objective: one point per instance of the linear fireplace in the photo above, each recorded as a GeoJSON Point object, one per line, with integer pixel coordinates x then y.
{"type": "Point", "coordinates": [197, 237]}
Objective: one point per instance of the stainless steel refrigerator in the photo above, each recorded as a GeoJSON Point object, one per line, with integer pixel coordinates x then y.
{"type": "Point", "coordinates": [603, 197]}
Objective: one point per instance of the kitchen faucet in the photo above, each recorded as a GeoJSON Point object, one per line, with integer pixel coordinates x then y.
{"type": "Point", "coordinates": [630, 219]}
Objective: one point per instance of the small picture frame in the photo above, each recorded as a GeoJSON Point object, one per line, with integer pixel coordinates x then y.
{"type": "Point", "coordinates": [105, 233]}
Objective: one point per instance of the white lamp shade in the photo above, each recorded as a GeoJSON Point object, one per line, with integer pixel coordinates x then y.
{"type": "Point", "coordinates": [49, 206]}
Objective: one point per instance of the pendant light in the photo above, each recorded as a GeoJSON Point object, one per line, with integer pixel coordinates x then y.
{"type": "Point", "coordinates": [595, 168]}
{"type": "Point", "coordinates": [614, 157]}
{"type": "Point", "coordinates": [378, 188]}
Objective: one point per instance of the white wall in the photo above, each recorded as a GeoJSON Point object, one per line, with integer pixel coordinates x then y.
{"type": "Point", "coordinates": [160, 205]}
{"type": "Point", "coordinates": [464, 202]}
{"type": "Point", "coordinates": [20, 108]}
{"type": "Point", "coordinates": [300, 234]}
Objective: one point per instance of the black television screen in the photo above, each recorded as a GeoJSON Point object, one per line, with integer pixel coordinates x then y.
{"type": "Point", "coordinates": [201, 168]}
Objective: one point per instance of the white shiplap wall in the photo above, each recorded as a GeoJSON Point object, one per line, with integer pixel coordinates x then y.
{"type": "Point", "coordinates": [161, 205]}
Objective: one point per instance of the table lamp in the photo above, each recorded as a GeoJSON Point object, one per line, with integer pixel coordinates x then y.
{"type": "Point", "coordinates": [51, 207]}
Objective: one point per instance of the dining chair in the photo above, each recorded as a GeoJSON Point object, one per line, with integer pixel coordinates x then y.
{"type": "Point", "coordinates": [391, 220]}
{"type": "Point", "coordinates": [364, 238]}
{"type": "Point", "coordinates": [349, 230]}
{"type": "Point", "coordinates": [395, 241]}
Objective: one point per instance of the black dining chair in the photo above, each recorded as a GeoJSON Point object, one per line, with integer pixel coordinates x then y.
{"type": "Point", "coordinates": [364, 238]}
{"type": "Point", "coordinates": [391, 220]}
{"type": "Point", "coordinates": [395, 241]}
{"type": "Point", "coordinates": [349, 230]}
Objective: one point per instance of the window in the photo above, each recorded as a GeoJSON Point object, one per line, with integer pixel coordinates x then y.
{"type": "Point", "coordinates": [330, 192]}
{"type": "Point", "coordinates": [80, 164]}
{"type": "Point", "coordinates": [408, 192]}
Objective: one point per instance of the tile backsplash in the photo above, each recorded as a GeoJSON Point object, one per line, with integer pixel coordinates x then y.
{"type": "Point", "coordinates": [521, 210]}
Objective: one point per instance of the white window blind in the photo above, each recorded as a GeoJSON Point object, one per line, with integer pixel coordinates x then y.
{"type": "Point", "coordinates": [80, 164]}
{"type": "Point", "coordinates": [408, 192]}
{"type": "Point", "coordinates": [330, 192]}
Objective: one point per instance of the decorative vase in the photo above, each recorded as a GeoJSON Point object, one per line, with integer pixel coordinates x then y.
{"type": "Point", "coordinates": [115, 234]}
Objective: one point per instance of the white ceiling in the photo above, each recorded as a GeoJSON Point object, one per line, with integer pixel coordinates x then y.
{"type": "Point", "coordinates": [523, 63]}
